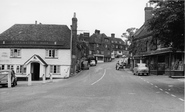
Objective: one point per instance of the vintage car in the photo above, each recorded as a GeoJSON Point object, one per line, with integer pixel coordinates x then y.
{"type": "Point", "coordinates": [4, 78]}
{"type": "Point", "coordinates": [93, 63]}
{"type": "Point", "coordinates": [85, 65]}
{"type": "Point", "coordinates": [141, 69]}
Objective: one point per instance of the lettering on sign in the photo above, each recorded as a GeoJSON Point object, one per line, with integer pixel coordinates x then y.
{"type": "Point", "coordinates": [4, 54]}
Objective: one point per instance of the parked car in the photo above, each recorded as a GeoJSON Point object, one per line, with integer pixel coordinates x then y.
{"type": "Point", "coordinates": [141, 69]}
{"type": "Point", "coordinates": [92, 63]}
{"type": "Point", "coordinates": [85, 65]}
{"type": "Point", "coordinates": [4, 78]}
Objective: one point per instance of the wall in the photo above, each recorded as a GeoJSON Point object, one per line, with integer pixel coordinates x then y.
{"type": "Point", "coordinates": [64, 60]}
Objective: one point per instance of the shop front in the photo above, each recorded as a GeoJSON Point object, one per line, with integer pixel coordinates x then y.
{"type": "Point", "coordinates": [163, 62]}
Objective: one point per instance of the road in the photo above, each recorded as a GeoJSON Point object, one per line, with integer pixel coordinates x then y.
{"type": "Point", "coordinates": [100, 89]}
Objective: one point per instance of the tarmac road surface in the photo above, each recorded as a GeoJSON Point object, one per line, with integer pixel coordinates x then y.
{"type": "Point", "coordinates": [100, 89]}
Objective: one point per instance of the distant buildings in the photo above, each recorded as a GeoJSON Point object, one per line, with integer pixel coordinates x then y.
{"type": "Point", "coordinates": [101, 47]}
{"type": "Point", "coordinates": [41, 49]}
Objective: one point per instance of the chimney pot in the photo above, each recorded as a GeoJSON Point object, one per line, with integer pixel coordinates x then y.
{"type": "Point", "coordinates": [112, 35]}
{"type": "Point", "coordinates": [97, 31]}
{"type": "Point", "coordinates": [35, 22]}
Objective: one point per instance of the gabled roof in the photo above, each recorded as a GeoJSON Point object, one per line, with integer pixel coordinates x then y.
{"type": "Point", "coordinates": [116, 39]}
{"type": "Point", "coordinates": [36, 58]}
{"type": "Point", "coordinates": [56, 35]}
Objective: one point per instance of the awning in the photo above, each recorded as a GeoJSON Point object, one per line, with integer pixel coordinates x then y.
{"type": "Point", "coordinates": [159, 51]}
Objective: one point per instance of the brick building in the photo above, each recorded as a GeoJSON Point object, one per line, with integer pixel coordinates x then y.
{"type": "Point", "coordinates": [118, 46]}
{"type": "Point", "coordinates": [160, 59]}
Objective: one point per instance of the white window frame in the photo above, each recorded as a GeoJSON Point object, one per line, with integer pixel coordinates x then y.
{"type": "Point", "coordinates": [2, 67]}
{"type": "Point", "coordinates": [90, 52]}
{"type": "Point", "coordinates": [15, 52]}
{"type": "Point", "coordinates": [20, 69]}
{"type": "Point", "coordinates": [55, 69]}
{"type": "Point", "coordinates": [97, 45]}
{"type": "Point", "coordinates": [51, 53]}
{"type": "Point", "coordinates": [10, 67]}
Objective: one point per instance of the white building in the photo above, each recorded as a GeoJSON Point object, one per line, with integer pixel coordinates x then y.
{"type": "Point", "coordinates": [36, 49]}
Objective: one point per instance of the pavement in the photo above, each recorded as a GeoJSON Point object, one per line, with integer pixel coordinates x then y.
{"type": "Point", "coordinates": [163, 78]}
{"type": "Point", "coordinates": [158, 78]}
{"type": "Point", "coordinates": [36, 83]}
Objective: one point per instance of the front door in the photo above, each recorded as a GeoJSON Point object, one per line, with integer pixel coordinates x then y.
{"type": "Point", "coordinates": [35, 71]}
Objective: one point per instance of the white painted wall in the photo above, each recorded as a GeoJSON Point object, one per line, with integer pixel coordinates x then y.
{"type": "Point", "coordinates": [64, 60]}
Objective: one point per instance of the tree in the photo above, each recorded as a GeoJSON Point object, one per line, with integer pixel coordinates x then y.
{"type": "Point", "coordinates": [167, 23]}
{"type": "Point", "coordinates": [128, 35]}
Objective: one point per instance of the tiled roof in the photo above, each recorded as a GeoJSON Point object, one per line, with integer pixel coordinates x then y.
{"type": "Point", "coordinates": [142, 32]}
{"type": "Point", "coordinates": [38, 33]}
{"type": "Point", "coordinates": [116, 39]}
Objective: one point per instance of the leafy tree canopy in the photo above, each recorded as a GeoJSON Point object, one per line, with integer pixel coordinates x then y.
{"type": "Point", "coordinates": [167, 23]}
{"type": "Point", "coordinates": [129, 33]}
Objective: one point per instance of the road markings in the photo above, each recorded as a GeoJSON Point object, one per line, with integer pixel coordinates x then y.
{"type": "Point", "coordinates": [171, 86]}
{"type": "Point", "coordinates": [173, 95]}
{"type": "Point", "coordinates": [181, 99]}
{"type": "Point", "coordinates": [100, 78]}
{"type": "Point", "coordinates": [160, 89]}
{"type": "Point", "coordinates": [151, 84]}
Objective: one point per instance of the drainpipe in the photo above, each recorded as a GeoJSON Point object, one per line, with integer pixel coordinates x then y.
{"type": "Point", "coordinates": [71, 51]}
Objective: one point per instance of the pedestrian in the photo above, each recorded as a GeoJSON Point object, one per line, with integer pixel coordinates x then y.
{"type": "Point", "coordinates": [117, 65]}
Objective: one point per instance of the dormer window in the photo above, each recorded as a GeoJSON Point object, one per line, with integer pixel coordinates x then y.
{"type": "Point", "coordinates": [51, 53]}
{"type": "Point", "coordinates": [15, 52]}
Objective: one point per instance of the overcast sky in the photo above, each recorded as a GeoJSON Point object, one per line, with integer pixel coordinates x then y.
{"type": "Point", "coordinates": [108, 16]}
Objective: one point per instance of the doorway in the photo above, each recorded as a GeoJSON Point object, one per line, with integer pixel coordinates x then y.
{"type": "Point", "coordinates": [35, 67]}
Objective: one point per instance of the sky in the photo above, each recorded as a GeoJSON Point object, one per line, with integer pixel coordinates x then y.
{"type": "Point", "coordinates": [108, 16]}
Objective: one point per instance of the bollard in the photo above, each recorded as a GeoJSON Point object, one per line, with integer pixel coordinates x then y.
{"type": "Point", "coordinates": [9, 79]}
{"type": "Point", "coordinates": [51, 77]}
{"type": "Point", "coordinates": [29, 79]}
{"type": "Point", "coordinates": [43, 78]}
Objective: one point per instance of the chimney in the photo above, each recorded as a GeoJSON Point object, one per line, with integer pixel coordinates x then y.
{"type": "Point", "coordinates": [148, 12]}
{"type": "Point", "coordinates": [112, 35]}
{"type": "Point", "coordinates": [86, 34]}
{"type": "Point", "coordinates": [74, 23]}
{"type": "Point", "coordinates": [35, 22]}
{"type": "Point", "coordinates": [97, 31]}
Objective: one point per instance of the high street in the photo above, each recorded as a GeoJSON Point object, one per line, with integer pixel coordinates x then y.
{"type": "Point", "coordinates": [100, 89]}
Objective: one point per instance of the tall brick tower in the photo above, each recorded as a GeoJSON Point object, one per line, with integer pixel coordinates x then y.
{"type": "Point", "coordinates": [74, 43]}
